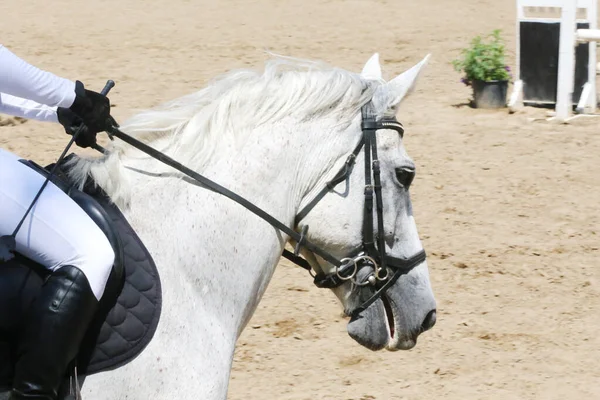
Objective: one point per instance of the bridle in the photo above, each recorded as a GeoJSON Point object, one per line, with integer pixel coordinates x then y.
{"type": "Point", "coordinates": [386, 269]}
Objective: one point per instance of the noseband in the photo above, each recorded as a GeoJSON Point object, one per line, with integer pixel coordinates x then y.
{"type": "Point", "coordinates": [386, 269]}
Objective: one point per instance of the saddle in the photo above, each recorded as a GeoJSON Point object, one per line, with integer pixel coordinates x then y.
{"type": "Point", "coordinates": [129, 310]}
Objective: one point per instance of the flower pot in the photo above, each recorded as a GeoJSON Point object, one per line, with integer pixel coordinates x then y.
{"type": "Point", "coordinates": [489, 94]}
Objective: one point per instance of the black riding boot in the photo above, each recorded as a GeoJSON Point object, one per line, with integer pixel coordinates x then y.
{"type": "Point", "coordinates": [55, 327]}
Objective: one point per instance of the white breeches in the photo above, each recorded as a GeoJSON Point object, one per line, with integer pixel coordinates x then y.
{"type": "Point", "coordinates": [57, 232]}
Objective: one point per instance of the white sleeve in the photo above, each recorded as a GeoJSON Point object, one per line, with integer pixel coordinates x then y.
{"type": "Point", "coordinates": [21, 79]}
{"type": "Point", "coordinates": [24, 108]}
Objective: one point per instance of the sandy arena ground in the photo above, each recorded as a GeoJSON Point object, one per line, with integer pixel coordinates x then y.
{"type": "Point", "coordinates": [507, 207]}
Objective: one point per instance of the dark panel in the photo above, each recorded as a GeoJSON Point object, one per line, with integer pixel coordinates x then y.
{"type": "Point", "coordinates": [539, 62]}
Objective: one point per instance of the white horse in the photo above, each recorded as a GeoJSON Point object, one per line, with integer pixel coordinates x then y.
{"type": "Point", "coordinates": [274, 138]}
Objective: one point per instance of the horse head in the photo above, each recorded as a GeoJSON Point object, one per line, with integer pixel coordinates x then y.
{"type": "Point", "coordinates": [394, 317]}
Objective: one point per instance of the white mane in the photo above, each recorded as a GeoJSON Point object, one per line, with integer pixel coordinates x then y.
{"type": "Point", "coordinates": [228, 109]}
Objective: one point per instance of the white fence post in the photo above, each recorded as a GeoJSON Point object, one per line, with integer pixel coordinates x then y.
{"type": "Point", "coordinates": [566, 60]}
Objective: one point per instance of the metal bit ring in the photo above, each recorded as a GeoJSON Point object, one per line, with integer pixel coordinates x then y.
{"type": "Point", "coordinates": [347, 262]}
{"type": "Point", "coordinates": [381, 278]}
{"type": "Point", "coordinates": [372, 261]}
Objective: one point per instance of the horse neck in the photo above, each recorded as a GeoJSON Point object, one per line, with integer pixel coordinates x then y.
{"type": "Point", "coordinates": [226, 253]}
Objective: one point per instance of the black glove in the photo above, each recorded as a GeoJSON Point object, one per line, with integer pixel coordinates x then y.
{"type": "Point", "coordinates": [72, 122]}
{"type": "Point", "coordinates": [93, 108]}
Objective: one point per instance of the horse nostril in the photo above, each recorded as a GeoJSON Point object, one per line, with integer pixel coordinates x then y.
{"type": "Point", "coordinates": [429, 321]}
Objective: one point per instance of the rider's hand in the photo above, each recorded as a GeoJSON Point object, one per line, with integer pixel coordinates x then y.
{"type": "Point", "coordinates": [93, 108]}
{"type": "Point", "coordinates": [72, 122]}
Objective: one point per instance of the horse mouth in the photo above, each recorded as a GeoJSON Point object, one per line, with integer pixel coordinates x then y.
{"type": "Point", "coordinates": [396, 342]}
{"type": "Point", "coordinates": [380, 327]}
{"type": "Point", "coordinates": [389, 314]}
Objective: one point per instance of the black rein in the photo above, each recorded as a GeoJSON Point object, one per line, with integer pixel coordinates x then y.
{"type": "Point", "coordinates": [344, 269]}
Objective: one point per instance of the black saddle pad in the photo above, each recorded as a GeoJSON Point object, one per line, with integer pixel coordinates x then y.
{"type": "Point", "coordinates": [131, 322]}
{"type": "Point", "coordinates": [130, 309]}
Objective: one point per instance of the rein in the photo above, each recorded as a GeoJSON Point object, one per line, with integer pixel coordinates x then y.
{"type": "Point", "coordinates": [371, 255]}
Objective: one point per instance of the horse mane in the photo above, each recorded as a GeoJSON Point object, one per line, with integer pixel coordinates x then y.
{"type": "Point", "coordinates": [228, 109]}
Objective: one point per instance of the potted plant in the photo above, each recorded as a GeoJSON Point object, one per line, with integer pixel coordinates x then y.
{"type": "Point", "coordinates": [483, 64]}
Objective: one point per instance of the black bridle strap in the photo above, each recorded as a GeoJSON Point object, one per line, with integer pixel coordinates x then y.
{"type": "Point", "coordinates": [299, 261]}
{"type": "Point", "coordinates": [341, 176]}
{"type": "Point", "coordinates": [225, 192]}
{"type": "Point", "coordinates": [379, 204]}
{"type": "Point", "coordinates": [369, 127]}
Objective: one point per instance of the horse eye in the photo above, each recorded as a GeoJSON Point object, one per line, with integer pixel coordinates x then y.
{"type": "Point", "coordinates": [405, 176]}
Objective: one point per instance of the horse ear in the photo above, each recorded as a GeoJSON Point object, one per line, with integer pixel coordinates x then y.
{"type": "Point", "coordinates": [372, 69]}
{"type": "Point", "coordinates": [403, 85]}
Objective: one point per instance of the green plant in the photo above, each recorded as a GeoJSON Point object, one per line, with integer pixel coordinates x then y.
{"type": "Point", "coordinates": [483, 60]}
